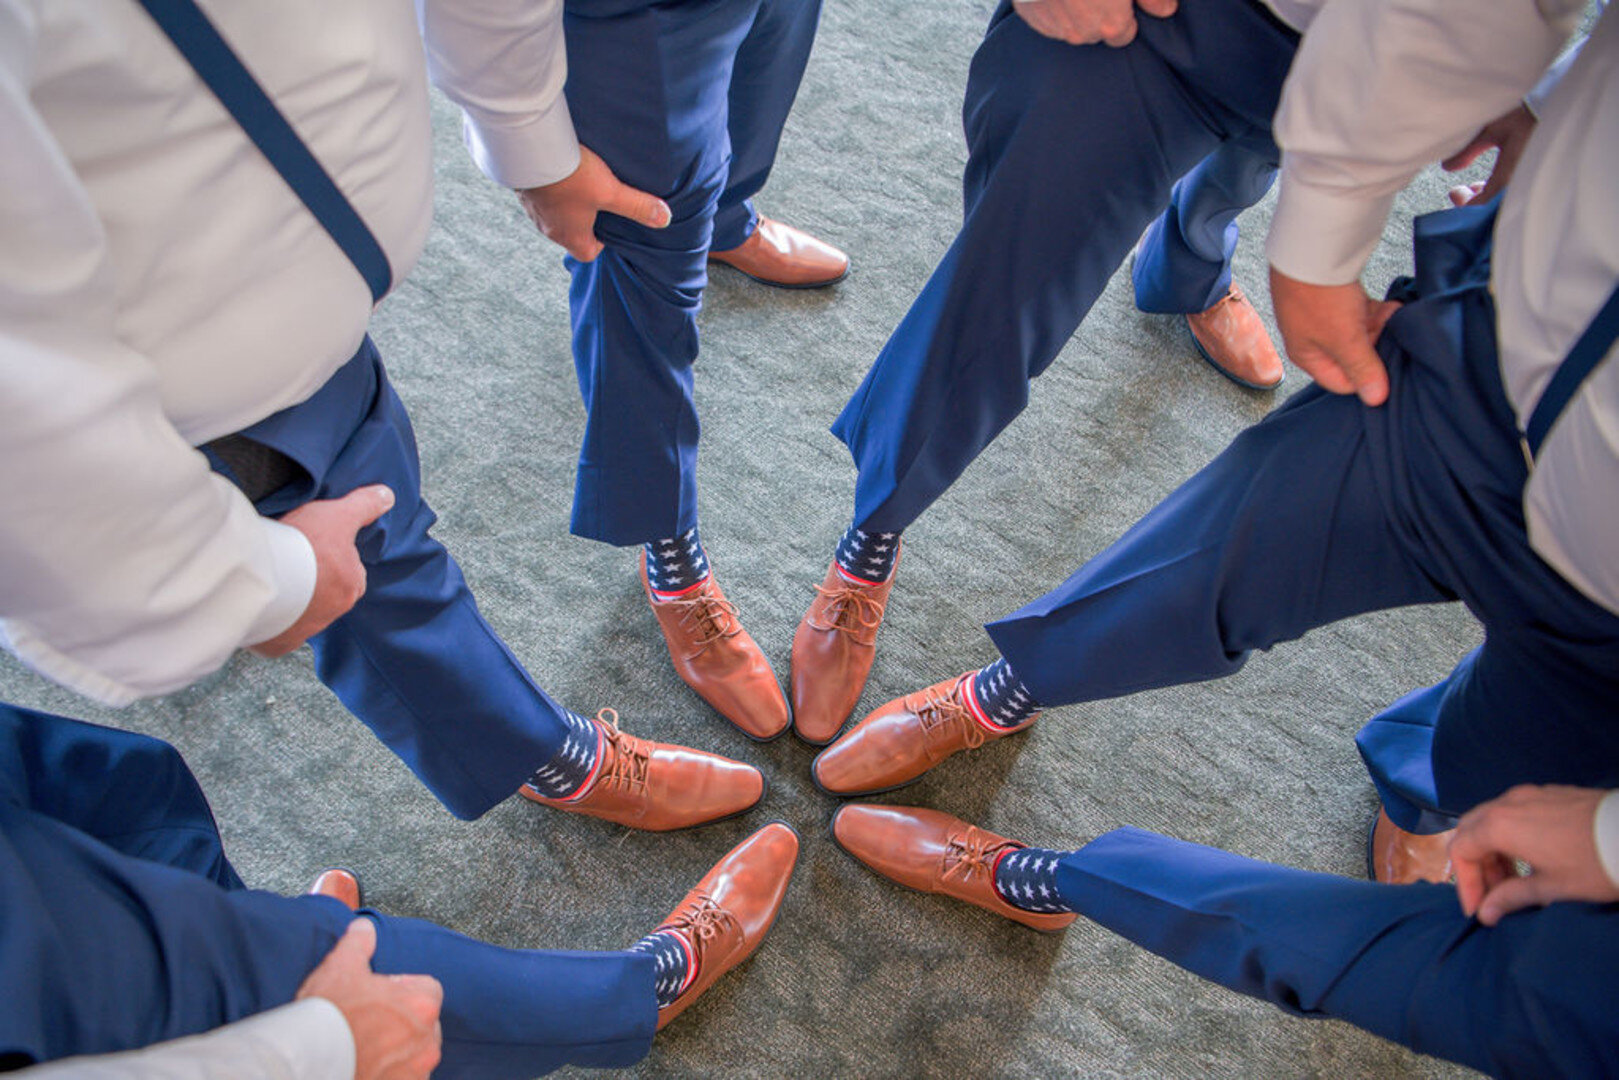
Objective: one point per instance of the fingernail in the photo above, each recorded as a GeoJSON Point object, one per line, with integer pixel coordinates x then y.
{"type": "Point", "coordinates": [664, 215]}
{"type": "Point", "coordinates": [386, 494]}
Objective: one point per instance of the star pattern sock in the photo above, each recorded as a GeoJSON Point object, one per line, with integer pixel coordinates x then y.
{"type": "Point", "coordinates": [572, 768]}
{"type": "Point", "coordinates": [1000, 696]}
{"type": "Point", "coordinates": [867, 557]}
{"type": "Point", "coordinates": [1027, 878]}
{"type": "Point", "coordinates": [674, 970]}
{"type": "Point", "coordinates": [676, 565]}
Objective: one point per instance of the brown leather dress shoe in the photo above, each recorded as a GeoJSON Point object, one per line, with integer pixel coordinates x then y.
{"type": "Point", "coordinates": [1397, 857]}
{"type": "Point", "coordinates": [1232, 338]}
{"type": "Point", "coordinates": [718, 659]}
{"type": "Point", "coordinates": [658, 786]}
{"type": "Point", "coordinates": [780, 255]}
{"type": "Point", "coordinates": [340, 883]}
{"type": "Point", "coordinates": [904, 739]}
{"type": "Point", "coordinates": [833, 648]}
{"type": "Point", "coordinates": [934, 852]}
{"type": "Point", "coordinates": [726, 916]}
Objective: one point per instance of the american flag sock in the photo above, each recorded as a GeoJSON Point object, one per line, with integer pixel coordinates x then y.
{"type": "Point", "coordinates": [572, 769]}
{"type": "Point", "coordinates": [867, 557]}
{"type": "Point", "coordinates": [677, 564]}
{"type": "Point", "coordinates": [674, 967]}
{"type": "Point", "coordinates": [1027, 878]}
{"type": "Point", "coordinates": [1000, 696]}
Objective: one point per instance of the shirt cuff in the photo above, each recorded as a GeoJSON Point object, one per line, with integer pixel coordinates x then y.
{"type": "Point", "coordinates": [293, 564]}
{"type": "Point", "coordinates": [1322, 237]}
{"type": "Point", "coordinates": [540, 150]}
{"type": "Point", "coordinates": [316, 1037]}
{"type": "Point", "coordinates": [1607, 835]}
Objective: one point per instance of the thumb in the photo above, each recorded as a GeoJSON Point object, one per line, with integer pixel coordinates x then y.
{"type": "Point", "coordinates": [357, 944]}
{"type": "Point", "coordinates": [638, 206]}
{"type": "Point", "coordinates": [1161, 9]}
{"type": "Point", "coordinates": [362, 506]}
{"type": "Point", "coordinates": [1509, 896]}
{"type": "Point", "coordinates": [1359, 360]}
{"type": "Point", "coordinates": [1371, 379]}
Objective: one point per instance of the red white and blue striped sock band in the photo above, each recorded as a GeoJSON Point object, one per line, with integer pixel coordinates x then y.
{"type": "Point", "coordinates": [676, 565]}
{"type": "Point", "coordinates": [673, 968]}
{"type": "Point", "coordinates": [1000, 697]}
{"type": "Point", "coordinates": [572, 768]}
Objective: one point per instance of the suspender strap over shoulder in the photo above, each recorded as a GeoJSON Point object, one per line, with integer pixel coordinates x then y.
{"type": "Point", "coordinates": [1575, 369]}
{"type": "Point", "coordinates": [223, 73]}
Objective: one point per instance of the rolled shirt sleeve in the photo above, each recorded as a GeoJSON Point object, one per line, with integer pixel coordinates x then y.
{"type": "Point", "coordinates": [306, 1040]}
{"type": "Point", "coordinates": [127, 568]}
{"type": "Point", "coordinates": [504, 63]}
{"type": "Point", "coordinates": [1380, 89]}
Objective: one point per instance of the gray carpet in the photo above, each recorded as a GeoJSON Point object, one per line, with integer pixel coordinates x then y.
{"type": "Point", "coordinates": [859, 979]}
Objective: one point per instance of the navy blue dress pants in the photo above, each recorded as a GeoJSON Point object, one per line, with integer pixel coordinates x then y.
{"type": "Point", "coordinates": [122, 924]}
{"type": "Point", "coordinates": [1183, 265]}
{"type": "Point", "coordinates": [1072, 152]}
{"type": "Point", "coordinates": [413, 659]}
{"type": "Point", "coordinates": [685, 100]}
{"type": "Point", "coordinates": [1528, 997]}
{"type": "Point", "coordinates": [1328, 509]}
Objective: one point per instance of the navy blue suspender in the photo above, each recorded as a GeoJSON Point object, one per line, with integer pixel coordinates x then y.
{"type": "Point", "coordinates": [1582, 359]}
{"type": "Point", "coordinates": [219, 67]}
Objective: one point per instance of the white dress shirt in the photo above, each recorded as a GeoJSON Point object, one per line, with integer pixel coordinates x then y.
{"type": "Point", "coordinates": [1382, 88]}
{"type": "Point", "coordinates": [160, 286]}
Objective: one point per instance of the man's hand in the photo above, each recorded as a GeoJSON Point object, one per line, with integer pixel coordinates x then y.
{"type": "Point", "coordinates": [1329, 331]}
{"type": "Point", "coordinates": [566, 210]}
{"type": "Point", "coordinates": [330, 526]}
{"type": "Point", "coordinates": [1085, 22]}
{"type": "Point", "coordinates": [394, 1018]}
{"type": "Point", "coordinates": [1507, 135]}
{"type": "Point", "coordinates": [1552, 829]}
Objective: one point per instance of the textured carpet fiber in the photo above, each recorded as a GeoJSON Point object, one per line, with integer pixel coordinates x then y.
{"type": "Point", "coordinates": [859, 978]}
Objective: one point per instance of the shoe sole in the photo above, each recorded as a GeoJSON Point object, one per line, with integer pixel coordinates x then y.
{"type": "Point", "coordinates": [807, 741]}
{"type": "Point", "coordinates": [1371, 831]}
{"type": "Point", "coordinates": [781, 284]}
{"type": "Point", "coordinates": [815, 778]}
{"type": "Point", "coordinates": [1209, 360]}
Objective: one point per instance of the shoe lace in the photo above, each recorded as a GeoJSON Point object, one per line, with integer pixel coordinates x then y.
{"type": "Point", "coordinates": [848, 608]}
{"type": "Point", "coordinates": [944, 714]}
{"type": "Point", "coordinates": [709, 617]}
{"type": "Point", "coordinates": [703, 921]}
{"type": "Point", "coordinates": [626, 766]}
{"type": "Point", "coordinates": [968, 854]}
